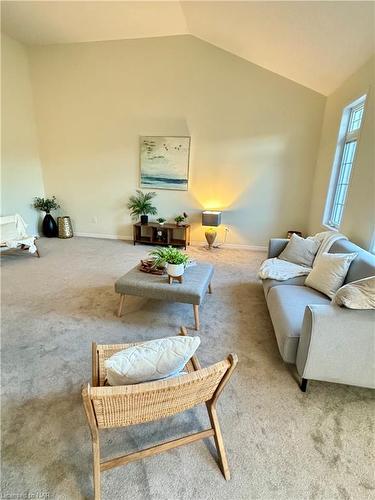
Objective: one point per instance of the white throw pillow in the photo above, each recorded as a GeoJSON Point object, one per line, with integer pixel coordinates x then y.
{"type": "Point", "coordinates": [329, 272]}
{"type": "Point", "coordinates": [358, 294]}
{"type": "Point", "coordinates": [151, 360]}
{"type": "Point", "coordinates": [300, 251]}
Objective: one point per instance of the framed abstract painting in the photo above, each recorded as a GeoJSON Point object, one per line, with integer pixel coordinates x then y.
{"type": "Point", "coordinates": [164, 162]}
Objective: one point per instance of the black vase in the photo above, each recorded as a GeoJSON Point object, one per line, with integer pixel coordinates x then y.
{"type": "Point", "coordinates": [144, 219]}
{"type": "Point", "coordinates": [49, 226]}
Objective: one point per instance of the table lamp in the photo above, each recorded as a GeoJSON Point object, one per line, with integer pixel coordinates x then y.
{"type": "Point", "coordinates": [212, 219]}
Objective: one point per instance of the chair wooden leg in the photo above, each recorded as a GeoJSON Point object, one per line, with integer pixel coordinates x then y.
{"type": "Point", "coordinates": [37, 250]}
{"type": "Point", "coordinates": [120, 307]}
{"type": "Point", "coordinates": [218, 437]}
{"type": "Point", "coordinates": [96, 469]}
{"type": "Point", "coordinates": [87, 404]}
{"type": "Point", "coordinates": [196, 316]}
{"type": "Point", "coordinates": [210, 288]}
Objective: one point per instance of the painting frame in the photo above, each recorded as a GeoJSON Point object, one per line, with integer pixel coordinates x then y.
{"type": "Point", "coordinates": [172, 176]}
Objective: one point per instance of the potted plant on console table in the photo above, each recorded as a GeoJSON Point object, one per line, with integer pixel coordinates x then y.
{"type": "Point", "coordinates": [173, 259]}
{"type": "Point", "coordinates": [180, 219]}
{"type": "Point", "coordinates": [140, 205]}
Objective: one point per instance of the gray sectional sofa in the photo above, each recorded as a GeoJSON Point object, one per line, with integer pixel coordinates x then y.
{"type": "Point", "coordinates": [325, 341]}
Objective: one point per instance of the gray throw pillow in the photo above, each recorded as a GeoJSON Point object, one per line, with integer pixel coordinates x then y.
{"type": "Point", "coordinates": [300, 251]}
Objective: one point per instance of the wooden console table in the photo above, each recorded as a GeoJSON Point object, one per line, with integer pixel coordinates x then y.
{"type": "Point", "coordinates": [167, 234]}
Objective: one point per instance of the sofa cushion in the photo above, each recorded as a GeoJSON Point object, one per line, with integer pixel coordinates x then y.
{"type": "Point", "coordinates": [268, 284]}
{"type": "Point", "coordinates": [363, 266]}
{"type": "Point", "coordinates": [329, 271]}
{"type": "Point", "coordinates": [357, 294]}
{"type": "Point", "coordinates": [287, 305]}
{"type": "Point", "coordinates": [300, 251]}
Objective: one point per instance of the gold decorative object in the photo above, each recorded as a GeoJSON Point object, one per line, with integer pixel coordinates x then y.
{"type": "Point", "coordinates": [210, 237]}
{"type": "Point", "coordinates": [64, 226]}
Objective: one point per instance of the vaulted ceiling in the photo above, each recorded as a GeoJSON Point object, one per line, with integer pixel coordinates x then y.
{"type": "Point", "coordinates": [315, 43]}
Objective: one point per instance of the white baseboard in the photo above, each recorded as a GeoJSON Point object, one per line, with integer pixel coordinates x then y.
{"type": "Point", "coordinates": [105, 236]}
{"type": "Point", "coordinates": [254, 248]}
{"type": "Point", "coordinates": [238, 246]}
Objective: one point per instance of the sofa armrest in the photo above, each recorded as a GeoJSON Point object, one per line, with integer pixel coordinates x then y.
{"type": "Point", "coordinates": [337, 345]}
{"type": "Point", "coordinates": [276, 246]}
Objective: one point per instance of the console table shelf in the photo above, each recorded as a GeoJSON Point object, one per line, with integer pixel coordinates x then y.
{"type": "Point", "coordinates": [167, 234]}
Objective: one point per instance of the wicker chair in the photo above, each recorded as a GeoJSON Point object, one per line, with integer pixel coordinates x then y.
{"type": "Point", "coordinates": [121, 406]}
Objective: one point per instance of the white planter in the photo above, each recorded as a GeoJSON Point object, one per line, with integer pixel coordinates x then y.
{"type": "Point", "coordinates": [175, 270]}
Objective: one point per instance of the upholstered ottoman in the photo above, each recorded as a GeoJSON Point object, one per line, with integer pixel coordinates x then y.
{"type": "Point", "coordinates": [197, 281]}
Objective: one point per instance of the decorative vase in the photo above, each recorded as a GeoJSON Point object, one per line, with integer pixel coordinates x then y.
{"type": "Point", "coordinates": [64, 226]}
{"type": "Point", "coordinates": [144, 219]}
{"type": "Point", "coordinates": [49, 226]}
{"type": "Point", "coordinates": [175, 270]}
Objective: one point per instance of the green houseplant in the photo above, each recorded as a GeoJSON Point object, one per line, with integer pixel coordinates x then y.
{"type": "Point", "coordinates": [173, 259]}
{"type": "Point", "coordinates": [140, 205]}
{"type": "Point", "coordinates": [49, 225]}
{"type": "Point", "coordinates": [161, 220]}
{"type": "Point", "coordinates": [181, 218]}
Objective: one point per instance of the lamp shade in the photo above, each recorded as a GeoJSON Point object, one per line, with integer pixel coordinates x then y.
{"type": "Point", "coordinates": [211, 218]}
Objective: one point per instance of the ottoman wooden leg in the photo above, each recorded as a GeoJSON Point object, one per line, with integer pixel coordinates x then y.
{"type": "Point", "coordinates": [119, 312]}
{"type": "Point", "coordinates": [196, 316]}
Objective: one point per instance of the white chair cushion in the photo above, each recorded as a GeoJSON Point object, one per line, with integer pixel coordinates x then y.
{"type": "Point", "coordinates": [329, 272]}
{"type": "Point", "coordinates": [151, 360]}
{"type": "Point", "coordinates": [358, 294]}
{"type": "Point", "coordinates": [300, 251]}
{"type": "Point", "coordinates": [8, 232]}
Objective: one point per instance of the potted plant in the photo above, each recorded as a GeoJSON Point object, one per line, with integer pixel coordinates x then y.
{"type": "Point", "coordinates": [180, 219]}
{"type": "Point", "coordinates": [140, 205]}
{"type": "Point", "coordinates": [161, 221]}
{"type": "Point", "coordinates": [49, 225]}
{"type": "Point", "coordinates": [173, 259]}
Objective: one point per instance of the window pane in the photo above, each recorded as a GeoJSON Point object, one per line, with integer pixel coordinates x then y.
{"type": "Point", "coordinates": [343, 163]}
{"type": "Point", "coordinates": [342, 183]}
{"type": "Point", "coordinates": [356, 118]}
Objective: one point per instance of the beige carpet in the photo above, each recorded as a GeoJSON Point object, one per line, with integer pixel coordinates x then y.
{"type": "Point", "coordinates": [281, 443]}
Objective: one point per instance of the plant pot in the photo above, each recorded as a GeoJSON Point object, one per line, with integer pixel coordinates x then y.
{"type": "Point", "coordinates": [161, 223]}
{"type": "Point", "coordinates": [175, 270]}
{"type": "Point", "coordinates": [49, 226]}
{"type": "Point", "coordinates": [144, 219]}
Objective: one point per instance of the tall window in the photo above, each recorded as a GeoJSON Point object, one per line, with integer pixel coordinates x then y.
{"type": "Point", "coordinates": [344, 160]}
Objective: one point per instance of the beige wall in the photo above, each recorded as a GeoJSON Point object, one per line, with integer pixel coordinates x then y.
{"type": "Point", "coordinates": [359, 215]}
{"type": "Point", "coordinates": [254, 134]}
{"type": "Point", "coordinates": [21, 175]}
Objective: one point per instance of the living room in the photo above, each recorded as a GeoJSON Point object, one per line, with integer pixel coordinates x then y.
{"type": "Point", "coordinates": [226, 149]}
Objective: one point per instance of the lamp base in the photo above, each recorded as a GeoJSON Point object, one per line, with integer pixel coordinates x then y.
{"type": "Point", "coordinates": [210, 237]}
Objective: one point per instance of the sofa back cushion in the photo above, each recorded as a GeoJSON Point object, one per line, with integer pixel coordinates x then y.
{"type": "Point", "coordinates": [300, 251]}
{"type": "Point", "coordinates": [363, 266]}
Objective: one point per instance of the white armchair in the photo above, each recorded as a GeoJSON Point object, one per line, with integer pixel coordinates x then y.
{"type": "Point", "coordinates": [13, 234]}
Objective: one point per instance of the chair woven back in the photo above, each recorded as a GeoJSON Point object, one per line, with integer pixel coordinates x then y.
{"type": "Point", "coordinates": [133, 404]}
